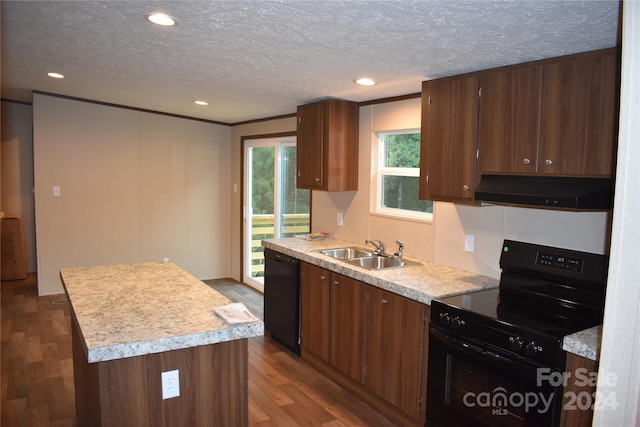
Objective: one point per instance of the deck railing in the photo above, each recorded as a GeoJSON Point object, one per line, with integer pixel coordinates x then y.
{"type": "Point", "coordinates": [263, 228]}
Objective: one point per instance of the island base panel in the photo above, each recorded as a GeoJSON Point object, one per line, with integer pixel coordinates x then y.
{"type": "Point", "coordinates": [213, 387]}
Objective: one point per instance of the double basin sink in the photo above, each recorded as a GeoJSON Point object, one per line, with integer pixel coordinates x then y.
{"type": "Point", "coordinates": [363, 258]}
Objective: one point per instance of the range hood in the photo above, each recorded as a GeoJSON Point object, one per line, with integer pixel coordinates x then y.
{"type": "Point", "coordinates": [546, 192]}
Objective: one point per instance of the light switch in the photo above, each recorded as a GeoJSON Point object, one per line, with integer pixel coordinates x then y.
{"type": "Point", "coordinates": [56, 191]}
{"type": "Point", "coordinates": [468, 242]}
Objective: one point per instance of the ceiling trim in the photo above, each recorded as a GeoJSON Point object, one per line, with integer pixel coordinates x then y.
{"type": "Point", "coordinates": [15, 101]}
{"type": "Point", "coordinates": [265, 119]}
{"type": "Point", "coordinates": [126, 107]}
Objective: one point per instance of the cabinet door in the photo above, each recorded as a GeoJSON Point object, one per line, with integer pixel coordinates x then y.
{"type": "Point", "coordinates": [314, 310]}
{"type": "Point", "coordinates": [310, 146]}
{"type": "Point", "coordinates": [393, 353]}
{"type": "Point", "coordinates": [341, 145]}
{"type": "Point", "coordinates": [327, 141]}
{"type": "Point", "coordinates": [508, 121]}
{"type": "Point", "coordinates": [346, 336]}
{"type": "Point", "coordinates": [448, 140]}
{"type": "Point", "coordinates": [580, 116]}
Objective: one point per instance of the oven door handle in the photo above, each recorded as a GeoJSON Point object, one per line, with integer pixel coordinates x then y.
{"type": "Point", "coordinates": [469, 347]}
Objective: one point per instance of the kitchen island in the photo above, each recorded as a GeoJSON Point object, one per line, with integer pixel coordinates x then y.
{"type": "Point", "coordinates": [130, 323]}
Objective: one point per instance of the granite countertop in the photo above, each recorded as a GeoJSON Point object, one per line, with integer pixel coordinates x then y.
{"type": "Point", "coordinates": [584, 343]}
{"type": "Point", "coordinates": [136, 309]}
{"type": "Point", "coordinates": [422, 282]}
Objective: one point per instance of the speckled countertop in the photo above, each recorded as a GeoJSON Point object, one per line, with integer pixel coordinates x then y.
{"type": "Point", "coordinates": [584, 343]}
{"type": "Point", "coordinates": [422, 282]}
{"type": "Point", "coordinates": [137, 309]}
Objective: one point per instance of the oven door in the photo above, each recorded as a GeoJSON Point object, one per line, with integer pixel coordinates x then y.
{"type": "Point", "coordinates": [471, 383]}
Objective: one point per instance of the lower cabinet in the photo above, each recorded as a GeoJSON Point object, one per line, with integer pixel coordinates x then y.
{"type": "Point", "coordinates": [314, 311]}
{"type": "Point", "coordinates": [395, 333]}
{"type": "Point", "coordinates": [346, 325]}
{"type": "Point", "coordinates": [579, 393]}
{"type": "Point", "coordinates": [371, 341]}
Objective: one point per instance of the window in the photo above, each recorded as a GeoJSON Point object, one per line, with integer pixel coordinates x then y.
{"type": "Point", "coordinates": [397, 163]}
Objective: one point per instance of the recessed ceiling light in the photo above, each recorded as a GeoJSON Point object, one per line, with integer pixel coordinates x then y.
{"type": "Point", "coordinates": [365, 82]}
{"type": "Point", "coordinates": [201, 102]}
{"type": "Point", "coordinates": [161, 19]}
{"type": "Point", "coordinates": [55, 75]}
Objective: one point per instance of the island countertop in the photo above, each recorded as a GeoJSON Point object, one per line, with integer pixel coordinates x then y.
{"type": "Point", "coordinates": [137, 309]}
{"type": "Point", "coordinates": [422, 282]}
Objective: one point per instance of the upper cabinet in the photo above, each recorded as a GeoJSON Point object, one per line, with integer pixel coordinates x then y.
{"type": "Point", "coordinates": [555, 117]}
{"type": "Point", "coordinates": [579, 116]}
{"type": "Point", "coordinates": [448, 139]}
{"type": "Point", "coordinates": [508, 123]}
{"type": "Point", "coordinates": [327, 146]}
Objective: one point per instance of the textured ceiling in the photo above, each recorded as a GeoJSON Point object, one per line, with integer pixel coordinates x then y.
{"type": "Point", "coordinates": [256, 59]}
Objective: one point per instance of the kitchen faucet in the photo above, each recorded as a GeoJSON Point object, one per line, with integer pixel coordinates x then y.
{"type": "Point", "coordinates": [379, 247]}
{"type": "Point", "coordinates": [400, 248]}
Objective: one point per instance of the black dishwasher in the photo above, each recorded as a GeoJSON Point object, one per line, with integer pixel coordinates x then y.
{"type": "Point", "coordinates": [282, 299]}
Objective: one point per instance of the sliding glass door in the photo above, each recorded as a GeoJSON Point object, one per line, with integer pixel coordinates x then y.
{"type": "Point", "coordinates": [273, 206]}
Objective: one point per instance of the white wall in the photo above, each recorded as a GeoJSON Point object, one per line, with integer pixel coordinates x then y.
{"type": "Point", "coordinates": [17, 172]}
{"type": "Point", "coordinates": [134, 186]}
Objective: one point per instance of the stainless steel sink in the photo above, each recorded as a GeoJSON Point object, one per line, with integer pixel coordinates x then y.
{"type": "Point", "coordinates": [363, 258]}
{"type": "Point", "coordinates": [377, 262]}
{"type": "Point", "coordinates": [346, 253]}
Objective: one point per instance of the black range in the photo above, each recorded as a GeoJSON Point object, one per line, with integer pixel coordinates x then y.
{"type": "Point", "coordinates": [492, 352]}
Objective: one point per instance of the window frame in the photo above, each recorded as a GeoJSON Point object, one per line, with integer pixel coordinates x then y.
{"type": "Point", "coordinates": [379, 172]}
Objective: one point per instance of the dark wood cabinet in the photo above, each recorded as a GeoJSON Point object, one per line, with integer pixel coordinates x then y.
{"type": "Point", "coordinates": [554, 117]}
{"type": "Point", "coordinates": [314, 310]}
{"type": "Point", "coordinates": [579, 385]}
{"type": "Point", "coordinates": [371, 341]}
{"type": "Point", "coordinates": [394, 350]}
{"type": "Point", "coordinates": [346, 330]}
{"type": "Point", "coordinates": [579, 115]}
{"type": "Point", "coordinates": [448, 139]}
{"type": "Point", "coordinates": [508, 123]}
{"type": "Point", "coordinates": [327, 146]}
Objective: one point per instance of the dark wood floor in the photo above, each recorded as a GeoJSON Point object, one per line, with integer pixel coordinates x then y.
{"type": "Point", "coordinates": [37, 369]}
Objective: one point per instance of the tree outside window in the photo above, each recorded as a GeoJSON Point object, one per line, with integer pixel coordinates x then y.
{"type": "Point", "coordinates": [399, 176]}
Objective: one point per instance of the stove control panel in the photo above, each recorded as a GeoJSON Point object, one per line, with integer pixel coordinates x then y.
{"type": "Point", "coordinates": [452, 321]}
{"type": "Point", "coordinates": [561, 262]}
{"type": "Point", "coordinates": [492, 335]}
{"type": "Point", "coordinates": [524, 346]}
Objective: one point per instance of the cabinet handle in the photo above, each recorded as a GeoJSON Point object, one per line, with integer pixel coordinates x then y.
{"type": "Point", "coordinates": [317, 179]}
{"type": "Point", "coordinates": [384, 301]}
{"type": "Point", "coordinates": [526, 161]}
{"type": "Point", "coordinates": [548, 162]}
{"type": "Point", "coordinates": [335, 282]}
{"type": "Point", "coordinates": [322, 278]}
{"type": "Point", "coordinates": [465, 187]}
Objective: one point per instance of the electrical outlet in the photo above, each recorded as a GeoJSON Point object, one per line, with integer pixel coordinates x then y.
{"type": "Point", "coordinates": [468, 243]}
{"type": "Point", "coordinates": [165, 259]}
{"type": "Point", "coordinates": [340, 219]}
{"type": "Point", "coordinates": [56, 191]}
{"type": "Point", "coordinates": [170, 384]}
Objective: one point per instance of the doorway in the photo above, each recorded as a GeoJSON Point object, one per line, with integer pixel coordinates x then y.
{"type": "Point", "coordinates": [273, 206]}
